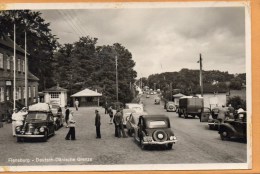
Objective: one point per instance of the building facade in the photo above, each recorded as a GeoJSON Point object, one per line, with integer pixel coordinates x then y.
{"type": "Point", "coordinates": [7, 77]}
{"type": "Point", "coordinates": [56, 96]}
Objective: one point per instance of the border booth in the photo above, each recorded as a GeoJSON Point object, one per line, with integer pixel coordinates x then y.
{"type": "Point", "coordinates": [87, 97]}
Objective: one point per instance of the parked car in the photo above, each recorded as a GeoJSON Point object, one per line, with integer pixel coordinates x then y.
{"type": "Point", "coordinates": [58, 116]}
{"type": "Point", "coordinates": [154, 130]}
{"type": "Point", "coordinates": [127, 113]}
{"type": "Point", "coordinates": [170, 106]}
{"type": "Point", "coordinates": [190, 106]}
{"type": "Point", "coordinates": [135, 106]}
{"type": "Point", "coordinates": [147, 96]}
{"type": "Point", "coordinates": [213, 120]}
{"type": "Point", "coordinates": [234, 128]}
{"type": "Point", "coordinates": [39, 123]}
{"type": "Point", "coordinates": [131, 123]}
{"type": "Point", "coordinates": [157, 101]}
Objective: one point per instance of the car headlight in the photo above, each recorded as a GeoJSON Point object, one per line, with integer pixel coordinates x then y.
{"type": "Point", "coordinates": [173, 138]}
{"type": "Point", "coordinates": [18, 129]}
{"type": "Point", "coordinates": [41, 129]}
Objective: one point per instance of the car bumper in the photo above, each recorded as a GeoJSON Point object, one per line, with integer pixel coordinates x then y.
{"type": "Point", "coordinates": [29, 136]}
{"type": "Point", "coordinates": [159, 143]}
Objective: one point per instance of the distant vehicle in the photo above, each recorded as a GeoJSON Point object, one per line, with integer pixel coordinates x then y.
{"type": "Point", "coordinates": [131, 123]}
{"type": "Point", "coordinates": [135, 106]}
{"type": "Point", "coordinates": [127, 113]}
{"type": "Point", "coordinates": [234, 128]}
{"type": "Point", "coordinates": [39, 123]}
{"type": "Point", "coordinates": [58, 116]}
{"type": "Point", "coordinates": [170, 106]}
{"type": "Point", "coordinates": [154, 130]}
{"type": "Point", "coordinates": [157, 101]}
{"type": "Point", "coordinates": [190, 105]}
{"type": "Point", "coordinates": [147, 96]}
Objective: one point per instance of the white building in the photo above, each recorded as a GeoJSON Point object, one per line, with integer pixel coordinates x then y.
{"type": "Point", "coordinates": [214, 99]}
{"type": "Point", "coordinates": [56, 96]}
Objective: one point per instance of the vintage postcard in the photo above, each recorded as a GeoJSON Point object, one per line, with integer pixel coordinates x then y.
{"type": "Point", "coordinates": [125, 86]}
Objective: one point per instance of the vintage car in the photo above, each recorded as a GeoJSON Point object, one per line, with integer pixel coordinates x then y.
{"type": "Point", "coordinates": [170, 106]}
{"type": "Point", "coordinates": [39, 123]}
{"type": "Point", "coordinates": [131, 122]}
{"type": "Point", "coordinates": [135, 106]}
{"type": "Point", "coordinates": [190, 106]}
{"type": "Point", "coordinates": [157, 101]}
{"type": "Point", "coordinates": [234, 128]}
{"type": "Point", "coordinates": [213, 120]}
{"type": "Point", "coordinates": [58, 116]}
{"type": "Point", "coordinates": [147, 96]}
{"type": "Point", "coordinates": [154, 130]}
{"type": "Point", "coordinates": [127, 113]}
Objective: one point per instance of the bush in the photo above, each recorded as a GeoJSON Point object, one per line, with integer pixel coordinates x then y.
{"type": "Point", "coordinates": [236, 101]}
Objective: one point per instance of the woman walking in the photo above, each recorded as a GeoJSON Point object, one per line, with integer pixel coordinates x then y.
{"type": "Point", "coordinates": [71, 124]}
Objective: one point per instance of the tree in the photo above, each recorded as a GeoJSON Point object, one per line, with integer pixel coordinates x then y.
{"type": "Point", "coordinates": [41, 43]}
{"type": "Point", "coordinates": [236, 101]}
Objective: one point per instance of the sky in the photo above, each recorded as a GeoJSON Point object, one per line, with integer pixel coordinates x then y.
{"type": "Point", "coordinates": [161, 39]}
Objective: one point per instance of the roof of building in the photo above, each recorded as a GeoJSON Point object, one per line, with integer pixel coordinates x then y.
{"type": "Point", "coordinates": [55, 89]}
{"type": "Point", "coordinates": [32, 77]}
{"type": "Point", "coordinates": [87, 93]}
{"type": "Point", "coordinates": [6, 41]}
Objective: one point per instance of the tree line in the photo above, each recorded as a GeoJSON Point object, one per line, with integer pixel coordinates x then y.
{"type": "Point", "coordinates": [74, 66]}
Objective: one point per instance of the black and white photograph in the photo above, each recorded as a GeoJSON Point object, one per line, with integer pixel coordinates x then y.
{"type": "Point", "coordinates": [125, 86]}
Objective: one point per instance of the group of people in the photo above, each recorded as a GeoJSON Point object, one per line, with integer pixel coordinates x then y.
{"type": "Point", "coordinates": [18, 118]}
{"type": "Point", "coordinates": [117, 119]}
{"type": "Point", "coordinates": [229, 112]}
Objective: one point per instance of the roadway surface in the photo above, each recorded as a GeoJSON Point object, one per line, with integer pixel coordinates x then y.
{"type": "Point", "coordinates": [196, 144]}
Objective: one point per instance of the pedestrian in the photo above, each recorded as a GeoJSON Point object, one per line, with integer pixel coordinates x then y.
{"type": "Point", "coordinates": [119, 127]}
{"type": "Point", "coordinates": [239, 110]}
{"type": "Point", "coordinates": [106, 108]}
{"type": "Point", "coordinates": [222, 114]}
{"type": "Point", "coordinates": [71, 135]}
{"type": "Point", "coordinates": [97, 124]}
{"type": "Point", "coordinates": [67, 112]}
{"type": "Point", "coordinates": [77, 104]}
{"type": "Point", "coordinates": [17, 120]}
{"type": "Point", "coordinates": [231, 111]}
{"type": "Point", "coordinates": [110, 113]}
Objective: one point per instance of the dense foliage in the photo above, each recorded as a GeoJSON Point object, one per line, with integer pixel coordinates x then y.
{"type": "Point", "coordinates": [83, 64]}
{"type": "Point", "coordinates": [41, 43]}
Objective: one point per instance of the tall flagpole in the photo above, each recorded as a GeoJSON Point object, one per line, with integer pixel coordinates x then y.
{"type": "Point", "coordinates": [26, 71]}
{"type": "Point", "coordinates": [201, 77]}
{"type": "Point", "coordinates": [116, 82]}
{"type": "Point", "coordinates": [14, 62]}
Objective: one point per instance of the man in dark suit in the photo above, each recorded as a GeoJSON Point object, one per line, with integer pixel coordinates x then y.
{"type": "Point", "coordinates": [67, 113]}
{"type": "Point", "coordinates": [97, 124]}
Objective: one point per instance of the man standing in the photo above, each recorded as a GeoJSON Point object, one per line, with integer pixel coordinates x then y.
{"type": "Point", "coordinates": [106, 108]}
{"type": "Point", "coordinates": [77, 104]}
{"type": "Point", "coordinates": [119, 124]}
{"type": "Point", "coordinates": [67, 113]}
{"type": "Point", "coordinates": [14, 119]}
{"type": "Point", "coordinates": [97, 124]}
{"type": "Point", "coordinates": [110, 113]}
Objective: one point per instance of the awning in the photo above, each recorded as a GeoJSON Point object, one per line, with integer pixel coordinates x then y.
{"type": "Point", "coordinates": [86, 93]}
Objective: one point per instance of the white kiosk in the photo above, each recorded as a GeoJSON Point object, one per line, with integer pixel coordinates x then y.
{"type": "Point", "coordinates": [56, 96]}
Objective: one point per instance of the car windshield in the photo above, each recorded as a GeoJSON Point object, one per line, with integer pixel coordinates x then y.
{"type": "Point", "coordinates": [157, 124]}
{"type": "Point", "coordinates": [36, 116]}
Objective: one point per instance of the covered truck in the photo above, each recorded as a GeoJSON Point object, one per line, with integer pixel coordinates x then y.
{"type": "Point", "coordinates": [190, 106]}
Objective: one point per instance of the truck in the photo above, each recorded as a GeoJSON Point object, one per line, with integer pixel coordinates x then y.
{"type": "Point", "coordinates": [190, 106]}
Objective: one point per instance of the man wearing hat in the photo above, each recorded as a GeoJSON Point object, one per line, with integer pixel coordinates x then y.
{"type": "Point", "coordinates": [97, 124]}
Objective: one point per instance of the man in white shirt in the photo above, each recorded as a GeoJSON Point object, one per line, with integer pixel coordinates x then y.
{"type": "Point", "coordinates": [14, 118]}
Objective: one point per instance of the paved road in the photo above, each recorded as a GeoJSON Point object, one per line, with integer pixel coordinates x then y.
{"type": "Point", "coordinates": [196, 144]}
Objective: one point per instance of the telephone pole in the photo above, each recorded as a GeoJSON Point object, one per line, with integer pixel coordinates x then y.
{"type": "Point", "coordinates": [201, 77]}
{"type": "Point", "coordinates": [116, 82]}
{"type": "Point", "coordinates": [14, 65]}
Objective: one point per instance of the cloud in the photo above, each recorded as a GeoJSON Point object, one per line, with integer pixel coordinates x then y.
{"type": "Point", "coordinates": [171, 37]}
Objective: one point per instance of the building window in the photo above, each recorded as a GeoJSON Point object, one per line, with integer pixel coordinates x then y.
{"type": "Point", "coordinates": [8, 63]}
{"type": "Point", "coordinates": [23, 67]}
{"type": "Point", "coordinates": [19, 65]}
{"type": "Point", "coordinates": [34, 91]}
{"type": "Point", "coordinates": [55, 95]}
{"type": "Point", "coordinates": [2, 92]}
{"type": "Point", "coordinates": [29, 91]}
{"type": "Point", "coordinates": [1, 60]}
{"type": "Point", "coordinates": [7, 94]}
{"type": "Point", "coordinates": [19, 93]}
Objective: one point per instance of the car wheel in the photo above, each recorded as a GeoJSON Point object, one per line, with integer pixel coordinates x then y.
{"type": "Point", "coordinates": [18, 139]}
{"type": "Point", "coordinates": [224, 135]}
{"type": "Point", "coordinates": [45, 138]}
{"type": "Point", "coordinates": [169, 146]}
